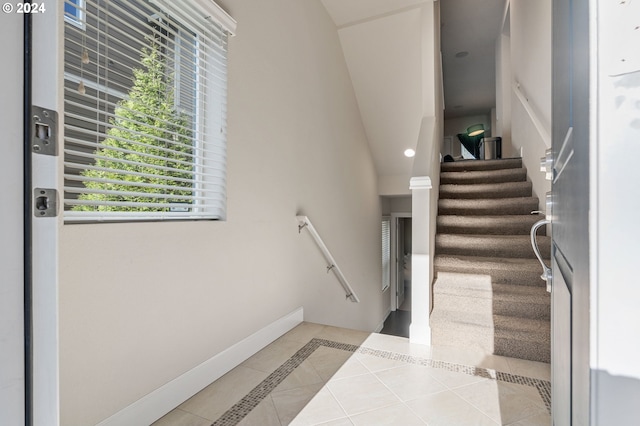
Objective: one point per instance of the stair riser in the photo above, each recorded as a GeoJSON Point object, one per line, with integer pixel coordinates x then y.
{"type": "Point", "coordinates": [517, 206]}
{"type": "Point", "coordinates": [498, 176]}
{"type": "Point", "coordinates": [532, 351]}
{"type": "Point", "coordinates": [513, 276]}
{"type": "Point", "coordinates": [471, 246]}
{"type": "Point", "coordinates": [470, 165]}
{"type": "Point", "coordinates": [507, 190]}
{"type": "Point", "coordinates": [492, 307]}
{"type": "Point", "coordinates": [522, 228]}
{"type": "Point", "coordinates": [471, 337]}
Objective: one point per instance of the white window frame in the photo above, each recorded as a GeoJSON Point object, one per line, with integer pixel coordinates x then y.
{"type": "Point", "coordinates": [212, 13]}
{"type": "Point", "coordinates": [78, 20]}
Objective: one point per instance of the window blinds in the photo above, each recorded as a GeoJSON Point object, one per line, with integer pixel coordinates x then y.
{"type": "Point", "coordinates": [145, 110]}
{"type": "Point", "coordinates": [386, 253]}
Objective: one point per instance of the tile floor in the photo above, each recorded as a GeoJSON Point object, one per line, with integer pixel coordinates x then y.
{"type": "Point", "coordinates": [322, 375]}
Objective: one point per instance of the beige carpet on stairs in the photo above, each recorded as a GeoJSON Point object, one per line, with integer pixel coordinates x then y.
{"type": "Point", "coordinates": [488, 294]}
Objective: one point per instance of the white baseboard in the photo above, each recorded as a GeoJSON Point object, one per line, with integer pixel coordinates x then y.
{"type": "Point", "coordinates": [162, 400]}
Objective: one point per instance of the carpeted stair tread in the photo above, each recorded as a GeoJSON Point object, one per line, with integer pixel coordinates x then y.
{"type": "Point", "coordinates": [518, 271]}
{"type": "Point", "coordinates": [487, 190]}
{"type": "Point", "coordinates": [526, 338]}
{"type": "Point", "coordinates": [539, 351]}
{"type": "Point", "coordinates": [502, 335]}
{"type": "Point", "coordinates": [499, 206]}
{"type": "Point", "coordinates": [527, 328]}
{"type": "Point", "coordinates": [503, 326]}
{"type": "Point", "coordinates": [481, 286]}
{"type": "Point", "coordinates": [483, 176]}
{"type": "Point", "coordinates": [469, 165]}
{"type": "Point", "coordinates": [490, 224]}
{"type": "Point", "coordinates": [491, 245]}
{"type": "Point", "coordinates": [476, 293]}
{"type": "Point", "coordinates": [488, 293]}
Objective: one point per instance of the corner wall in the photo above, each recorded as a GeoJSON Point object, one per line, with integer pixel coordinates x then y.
{"type": "Point", "coordinates": [503, 93]}
{"type": "Point", "coordinates": [141, 304]}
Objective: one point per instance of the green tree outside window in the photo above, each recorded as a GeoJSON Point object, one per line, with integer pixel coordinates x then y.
{"type": "Point", "coordinates": [149, 137]}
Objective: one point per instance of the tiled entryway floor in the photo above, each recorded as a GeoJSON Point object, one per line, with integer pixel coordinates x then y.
{"type": "Point", "coordinates": [322, 375]}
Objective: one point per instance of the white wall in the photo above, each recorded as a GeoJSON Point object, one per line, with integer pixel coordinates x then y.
{"type": "Point", "coordinates": [503, 94]}
{"type": "Point", "coordinates": [384, 57]}
{"type": "Point", "coordinates": [384, 60]}
{"type": "Point", "coordinates": [143, 303]}
{"type": "Point", "coordinates": [401, 205]}
{"type": "Point", "coordinates": [531, 29]}
{"type": "Point", "coordinates": [615, 205]}
{"type": "Point", "coordinates": [453, 126]}
{"type": "Point", "coordinates": [11, 225]}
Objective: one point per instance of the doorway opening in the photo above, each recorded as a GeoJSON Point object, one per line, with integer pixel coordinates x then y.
{"type": "Point", "coordinates": [399, 320]}
{"type": "Point", "coordinates": [403, 262]}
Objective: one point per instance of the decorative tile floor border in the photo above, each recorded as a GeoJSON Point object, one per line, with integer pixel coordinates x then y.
{"type": "Point", "coordinates": [250, 401]}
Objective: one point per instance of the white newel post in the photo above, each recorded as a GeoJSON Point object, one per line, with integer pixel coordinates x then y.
{"type": "Point", "coordinates": [420, 331]}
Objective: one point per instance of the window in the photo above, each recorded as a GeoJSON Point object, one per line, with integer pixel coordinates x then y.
{"type": "Point", "coordinates": [386, 253]}
{"type": "Point", "coordinates": [73, 12]}
{"type": "Point", "coordinates": [145, 111]}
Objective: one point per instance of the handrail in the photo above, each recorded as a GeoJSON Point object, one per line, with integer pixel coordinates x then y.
{"type": "Point", "coordinates": [535, 119]}
{"type": "Point", "coordinates": [547, 275]}
{"type": "Point", "coordinates": [304, 222]}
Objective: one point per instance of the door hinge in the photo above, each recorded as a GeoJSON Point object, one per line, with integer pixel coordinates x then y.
{"type": "Point", "coordinates": [44, 133]}
{"type": "Point", "coordinates": [45, 202]}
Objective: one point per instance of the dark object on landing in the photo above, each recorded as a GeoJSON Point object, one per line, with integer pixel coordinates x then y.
{"type": "Point", "coordinates": [471, 144]}
{"type": "Point", "coordinates": [448, 159]}
{"type": "Point", "coordinates": [491, 148]}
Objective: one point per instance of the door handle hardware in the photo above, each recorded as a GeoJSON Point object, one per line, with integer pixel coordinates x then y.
{"type": "Point", "coordinates": [546, 164]}
{"type": "Point", "coordinates": [44, 134]}
{"type": "Point", "coordinates": [547, 275]}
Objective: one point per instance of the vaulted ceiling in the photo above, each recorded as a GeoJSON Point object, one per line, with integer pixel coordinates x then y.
{"type": "Point", "coordinates": [381, 41]}
{"type": "Point", "coordinates": [469, 26]}
{"type": "Point", "coordinates": [382, 44]}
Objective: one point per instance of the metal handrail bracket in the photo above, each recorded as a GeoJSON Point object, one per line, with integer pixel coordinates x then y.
{"type": "Point", "coordinates": [304, 222]}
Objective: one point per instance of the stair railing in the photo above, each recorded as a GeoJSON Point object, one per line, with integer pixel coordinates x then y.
{"type": "Point", "coordinates": [535, 118]}
{"type": "Point", "coordinates": [332, 266]}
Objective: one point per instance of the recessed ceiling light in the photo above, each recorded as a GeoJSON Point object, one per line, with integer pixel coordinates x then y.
{"type": "Point", "coordinates": [462, 54]}
{"type": "Point", "coordinates": [409, 153]}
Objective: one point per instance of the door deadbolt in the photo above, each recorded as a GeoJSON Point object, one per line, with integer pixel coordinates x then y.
{"type": "Point", "coordinates": [45, 202]}
{"type": "Point", "coordinates": [42, 203]}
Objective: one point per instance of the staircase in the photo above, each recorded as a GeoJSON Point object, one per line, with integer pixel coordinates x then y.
{"type": "Point", "coordinates": [488, 294]}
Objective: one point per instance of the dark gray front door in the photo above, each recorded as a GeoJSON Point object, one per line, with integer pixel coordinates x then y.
{"type": "Point", "coordinates": [570, 213]}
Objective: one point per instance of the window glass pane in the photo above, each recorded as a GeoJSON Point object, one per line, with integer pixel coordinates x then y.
{"type": "Point", "coordinates": [137, 85]}
{"type": "Point", "coordinates": [72, 9]}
